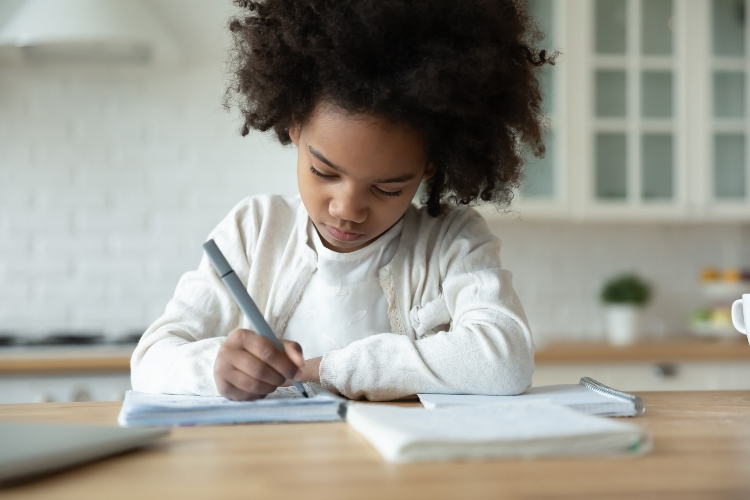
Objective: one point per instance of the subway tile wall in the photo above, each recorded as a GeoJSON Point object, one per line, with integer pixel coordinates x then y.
{"type": "Point", "coordinates": [559, 269]}
{"type": "Point", "coordinates": [110, 180]}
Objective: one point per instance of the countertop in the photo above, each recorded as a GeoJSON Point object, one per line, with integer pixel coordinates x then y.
{"type": "Point", "coordinates": [109, 359]}
{"type": "Point", "coordinates": [701, 450]}
{"type": "Point", "coordinates": [74, 359]}
{"type": "Point", "coordinates": [647, 351]}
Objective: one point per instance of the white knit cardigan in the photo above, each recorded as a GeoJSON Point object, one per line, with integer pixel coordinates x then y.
{"type": "Point", "coordinates": [457, 325]}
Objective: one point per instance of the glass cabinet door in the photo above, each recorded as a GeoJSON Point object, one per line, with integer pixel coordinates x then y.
{"type": "Point", "coordinates": [635, 134]}
{"type": "Point", "coordinates": [730, 179]}
{"type": "Point", "coordinates": [543, 180]}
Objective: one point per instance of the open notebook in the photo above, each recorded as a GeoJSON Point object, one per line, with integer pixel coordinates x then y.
{"type": "Point", "coordinates": [588, 396]}
{"type": "Point", "coordinates": [502, 430]}
{"type": "Point", "coordinates": [285, 404]}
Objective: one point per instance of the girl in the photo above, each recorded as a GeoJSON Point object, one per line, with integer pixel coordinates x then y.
{"type": "Point", "coordinates": [373, 296]}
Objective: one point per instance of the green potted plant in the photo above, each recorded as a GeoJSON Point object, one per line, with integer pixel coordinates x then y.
{"type": "Point", "coordinates": [624, 296]}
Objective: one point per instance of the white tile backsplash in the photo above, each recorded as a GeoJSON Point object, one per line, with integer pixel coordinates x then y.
{"type": "Point", "coordinates": [111, 178]}
{"type": "Point", "coordinates": [559, 269]}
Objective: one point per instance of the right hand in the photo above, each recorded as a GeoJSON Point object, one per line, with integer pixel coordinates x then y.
{"type": "Point", "coordinates": [249, 366]}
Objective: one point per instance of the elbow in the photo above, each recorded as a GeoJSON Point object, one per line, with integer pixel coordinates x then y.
{"type": "Point", "coordinates": [515, 372]}
{"type": "Point", "coordinates": [142, 376]}
{"type": "Point", "coordinates": [520, 379]}
{"type": "Point", "coordinates": [508, 370]}
{"type": "Point", "coordinates": [508, 375]}
{"type": "Point", "coordinates": [508, 378]}
{"type": "Point", "coordinates": [139, 380]}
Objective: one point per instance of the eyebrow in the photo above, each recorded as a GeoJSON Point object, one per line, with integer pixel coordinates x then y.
{"type": "Point", "coordinates": [400, 178]}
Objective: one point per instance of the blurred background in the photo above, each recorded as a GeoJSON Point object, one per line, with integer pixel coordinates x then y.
{"type": "Point", "coordinates": [627, 242]}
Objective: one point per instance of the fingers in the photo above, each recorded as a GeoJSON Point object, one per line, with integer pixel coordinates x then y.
{"type": "Point", "coordinates": [254, 388]}
{"type": "Point", "coordinates": [264, 350]}
{"type": "Point", "coordinates": [231, 392]}
{"type": "Point", "coordinates": [253, 367]}
{"type": "Point", "coordinates": [294, 351]}
{"type": "Point", "coordinates": [249, 366]}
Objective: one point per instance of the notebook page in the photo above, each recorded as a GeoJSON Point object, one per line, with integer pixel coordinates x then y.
{"type": "Point", "coordinates": [283, 396]}
{"type": "Point", "coordinates": [285, 404]}
{"type": "Point", "coordinates": [527, 420]}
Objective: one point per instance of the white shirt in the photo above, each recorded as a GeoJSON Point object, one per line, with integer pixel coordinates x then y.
{"type": "Point", "coordinates": [343, 300]}
{"type": "Point", "coordinates": [456, 324]}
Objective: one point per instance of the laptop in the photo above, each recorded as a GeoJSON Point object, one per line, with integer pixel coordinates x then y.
{"type": "Point", "coordinates": [28, 450]}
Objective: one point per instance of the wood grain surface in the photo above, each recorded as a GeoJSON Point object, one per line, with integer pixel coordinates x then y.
{"type": "Point", "coordinates": [701, 450]}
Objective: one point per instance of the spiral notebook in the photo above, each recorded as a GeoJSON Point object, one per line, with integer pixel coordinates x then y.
{"type": "Point", "coordinates": [285, 404]}
{"type": "Point", "coordinates": [588, 396]}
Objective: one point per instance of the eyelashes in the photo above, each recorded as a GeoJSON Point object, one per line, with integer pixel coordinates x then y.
{"type": "Point", "coordinates": [320, 174]}
{"type": "Point", "coordinates": [385, 193]}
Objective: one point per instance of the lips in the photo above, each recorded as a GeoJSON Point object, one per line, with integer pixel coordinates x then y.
{"type": "Point", "coordinates": [340, 235]}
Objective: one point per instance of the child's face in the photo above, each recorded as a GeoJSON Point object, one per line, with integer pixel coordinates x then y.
{"type": "Point", "coordinates": [357, 174]}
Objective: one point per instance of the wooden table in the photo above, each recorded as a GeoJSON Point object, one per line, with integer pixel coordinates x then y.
{"type": "Point", "coordinates": [701, 450]}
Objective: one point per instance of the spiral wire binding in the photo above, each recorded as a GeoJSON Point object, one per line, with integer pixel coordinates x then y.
{"type": "Point", "coordinates": [593, 385]}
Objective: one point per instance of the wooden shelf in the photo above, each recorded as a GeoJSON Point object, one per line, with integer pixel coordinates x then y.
{"type": "Point", "coordinates": [653, 351]}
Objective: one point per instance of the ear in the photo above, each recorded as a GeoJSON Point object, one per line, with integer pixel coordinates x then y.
{"type": "Point", "coordinates": [294, 133]}
{"type": "Point", "coordinates": [429, 171]}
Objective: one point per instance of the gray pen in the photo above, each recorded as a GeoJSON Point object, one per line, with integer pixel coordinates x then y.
{"type": "Point", "coordinates": [243, 299]}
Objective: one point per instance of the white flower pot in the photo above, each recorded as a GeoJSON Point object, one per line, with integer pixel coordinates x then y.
{"type": "Point", "coordinates": [623, 323]}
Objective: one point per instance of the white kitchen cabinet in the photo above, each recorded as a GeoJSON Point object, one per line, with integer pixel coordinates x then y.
{"type": "Point", "coordinates": [681, 376]}
{"type": "Point", "coordinates": [727, 183]}
{"type": "Point", "coordinates": [61, 388]}
{"type": "Point", "coordinates": [545, 188]}
{"type": "Point", "coordinates": [648, 112]}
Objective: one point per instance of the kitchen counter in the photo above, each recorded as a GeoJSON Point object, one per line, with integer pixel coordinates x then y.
{"type": "Point", "coordinates": [17, 361]}
{"type": "Point", "coordinates": [101, 359]}
{"type": "Point", "coordinates": [647, 351]}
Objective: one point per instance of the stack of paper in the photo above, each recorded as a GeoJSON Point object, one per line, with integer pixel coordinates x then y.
{"type": "Point", "coordinates": [520, 429]}
{"type": "Point", "coordinates": [285, 404]}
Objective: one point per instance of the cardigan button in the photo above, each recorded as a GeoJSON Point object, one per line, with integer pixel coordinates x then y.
{"type": "Point", "coordinates": [385, 272]}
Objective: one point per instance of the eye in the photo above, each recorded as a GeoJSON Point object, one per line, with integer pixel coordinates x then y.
{"type": "Point", "coordinates": [388, 193]}
{"type": "Point", "coordinates": [320, 174]}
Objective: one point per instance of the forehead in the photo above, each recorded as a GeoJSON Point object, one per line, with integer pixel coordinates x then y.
{"type": "Point", "coordinates": [364, 144]}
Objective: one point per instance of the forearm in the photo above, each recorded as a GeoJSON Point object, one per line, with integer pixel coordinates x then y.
{"type": "Point", "coordinates": [494, 357]}
{"type": "Point", "coordinates": [165, 362]}
{"type": "Point", "coordinates": [176, 354]}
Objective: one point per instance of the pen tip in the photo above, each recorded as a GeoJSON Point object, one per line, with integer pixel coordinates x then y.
{"type": "Point", "coordinates": [304, 393]}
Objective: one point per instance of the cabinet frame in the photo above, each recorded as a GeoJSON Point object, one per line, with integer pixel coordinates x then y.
{"type": "Point", "coordinates": [692, 123]}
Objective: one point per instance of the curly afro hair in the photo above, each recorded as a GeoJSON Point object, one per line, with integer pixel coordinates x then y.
{"type": "Point", "coordinates": [462, 73]}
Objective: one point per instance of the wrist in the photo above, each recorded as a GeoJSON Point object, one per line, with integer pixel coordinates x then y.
{"type": "Point", "coordinates": [327, 372]}
{"type": "Point", "coordinates": [313, 374]}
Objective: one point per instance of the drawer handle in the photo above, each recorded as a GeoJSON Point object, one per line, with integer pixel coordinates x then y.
{"type": "Point", "coordinates": [664, 370]}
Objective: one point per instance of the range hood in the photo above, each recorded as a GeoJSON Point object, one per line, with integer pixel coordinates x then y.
{"type": "Point", "coordinates": [91, 31]}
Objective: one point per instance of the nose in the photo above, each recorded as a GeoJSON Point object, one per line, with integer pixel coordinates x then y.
{"type": "Point", "coordinates": [348, 205]}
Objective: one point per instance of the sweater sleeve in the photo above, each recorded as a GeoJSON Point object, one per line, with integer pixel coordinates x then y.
{"type": "Point", "coordinates": [488, 350]}
{"type": "Point", "coordinates": [176, 354]}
